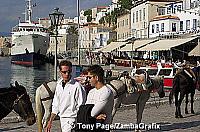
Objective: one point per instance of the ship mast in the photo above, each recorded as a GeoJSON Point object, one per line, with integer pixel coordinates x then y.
{"type": "Point", "coordinates": [28, 11]}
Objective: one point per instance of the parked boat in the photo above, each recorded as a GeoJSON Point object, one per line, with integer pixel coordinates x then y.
{"type": "Point", "coordinates": [30, 41]}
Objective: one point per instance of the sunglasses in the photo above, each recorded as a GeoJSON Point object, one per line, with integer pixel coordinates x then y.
{"type": "Point", "coordinates": [89, 77]}
{"type": "Point", "coordinates": [64, 72]}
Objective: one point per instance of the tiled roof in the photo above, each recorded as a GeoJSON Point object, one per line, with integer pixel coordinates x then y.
{"type": "Point", "coordinates": [165, 17]}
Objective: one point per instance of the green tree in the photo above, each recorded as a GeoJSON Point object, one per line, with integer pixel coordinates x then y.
{"type": "Point", "coordinates": [108, 19]}
{"type": "Point", "coordinates": [111, 40]}
{"type": "Point", "coordinates": [72, 30]}
{"type": "Point", "coordinates": [88, 13]}
{"type": "Point", "coordinates": [126, 4]}
{"type": "Point", "coordinates": [102, 20]}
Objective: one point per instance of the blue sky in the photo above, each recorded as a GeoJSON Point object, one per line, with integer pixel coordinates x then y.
{"type": "Point", "coordinates": [11, 10]}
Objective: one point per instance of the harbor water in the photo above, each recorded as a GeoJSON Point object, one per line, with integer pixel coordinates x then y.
{"type": "Point", "coordinates": [30, 77]}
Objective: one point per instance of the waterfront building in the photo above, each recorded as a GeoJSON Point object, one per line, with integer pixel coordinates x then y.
{"type": "Point", "coordinates": [141, 14]}
{"type": "Point", "coordinates": [173, 21]}
{"type": "Point", "coordinates": [5, 44]}
{"type": "Point", "coordinates": [123, 27]}
{"type": "Point", "coordinates": [67, 39]}
{"type": "Point", "coordinates": [98, 12]}
{"type": "Point", "coordinates": [94, 36]}
{"type": "Point", "coordinates": [92, 32]}
{"type": "Point", "coordinates": [82, 18]}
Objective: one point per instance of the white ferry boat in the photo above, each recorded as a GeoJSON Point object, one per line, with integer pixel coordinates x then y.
{"type": "Point", "coordinates": [30, 41]}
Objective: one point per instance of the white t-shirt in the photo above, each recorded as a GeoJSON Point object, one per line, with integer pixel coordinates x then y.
{"type": "Point", "coordinates": [103, 101]}
{"type": "Point", "coordinates": [67, 100]}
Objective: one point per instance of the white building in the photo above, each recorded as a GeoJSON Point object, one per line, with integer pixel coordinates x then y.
{"type": "Point", "coordinates": [99, 15]}
{"type": "Point", "coordinates": [164, 25]}
{"type": "Point", "coordinates": [141, 15]}
{"type": "Point", "coordinates": [98, 12]}
{"type": "Point", "coordinates": [82, 20]}
{"type": "Point", "coordinates": [95, 36]}
{"type": "Point", "coordinates": [173, 20]}
{"type": "Point", "coordinates": [102, 38]}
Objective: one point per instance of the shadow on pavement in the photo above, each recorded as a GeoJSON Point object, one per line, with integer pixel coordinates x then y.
{"type": "Point", "coordinates": [9, 129]}
{"type": "Point", "coordinates": [177, 126]}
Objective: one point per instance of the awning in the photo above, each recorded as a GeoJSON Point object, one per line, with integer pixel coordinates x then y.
{"type": "Point", "coordinates": [112, 46]}
{"type": "Point", "coordinates": [165, 44]}
{"type": "Point", "coordinates": [135, 45]}
{"type": "Point", "coordinates": [97, 50]}
{"type": "Point", "coordinates": [195, 51]}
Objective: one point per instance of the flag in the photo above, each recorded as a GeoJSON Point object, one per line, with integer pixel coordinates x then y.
{"type": "Point", "coordinates": [34, 5]}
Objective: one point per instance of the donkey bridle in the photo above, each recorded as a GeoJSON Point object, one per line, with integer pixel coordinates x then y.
{"type": "Point", "coordinates": [15, 102]}
{"type": "Point", "coordinates": [18, 98]}
{"type": "Point", "coordinates": [51, 95]}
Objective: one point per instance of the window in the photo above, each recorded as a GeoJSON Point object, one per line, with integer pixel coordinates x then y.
{"type": "Point", "coordinates": [144, 15]}
{"type": "Point", "coordinates": [173, 27]}
{"type": "Point", "coordinates": [181, 25]}
{"type": "Point", "coordinates": [153, 26]}
{"type": "Point", "coordinates": [162, 27]}
{"type": "Point", "coordinates": [133, 17]}
{"type": "Point", "coordinates": [179, 8]}
{"type": "Point", "coordinates": [165, 72]}
{"type": "Point", "coordinates": [194, 24]}
{"type": "Point", "coordinates": [144, 24]}
{"type": "Point", "coordinates": [152, 72]}
{"type": "Point", "coordinates": [29, 29]}
{"type": "Point", "coordinates": [168, 10]}
{"type": "Point", "coordinates": [101, 39]}
{"type": "Point", "coordinates": [187, 24]}
{"type": "Point", "coordinates": [136, 16]}
{"type": "Point", "coordinates": [157, 28]}
{"type": "Point", "coordinates": [161, 11]}
{"type": "Point", "coordinates": [140, 15]}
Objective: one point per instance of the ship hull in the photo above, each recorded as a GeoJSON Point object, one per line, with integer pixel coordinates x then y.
{"type": "Point", "coordinates": [30, 59]}
{"type": "Point", "coordinates": [29, 50]}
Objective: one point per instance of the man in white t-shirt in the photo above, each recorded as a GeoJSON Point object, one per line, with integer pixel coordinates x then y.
{"type": "Point", "coordinates": [101, 96]}
{"type": "Point", "coordinates": [69, 96]}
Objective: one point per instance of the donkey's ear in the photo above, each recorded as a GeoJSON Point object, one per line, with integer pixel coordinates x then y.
{"type": "Point", "coordinates": [16, 83]}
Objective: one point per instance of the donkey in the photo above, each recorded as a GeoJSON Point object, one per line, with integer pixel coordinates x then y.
{"type": "Point", "coordinates": [124, 93]}
{"type": "Point", "coordinates": [184, 83]}
{"type": "Point", "coordinates": [16, 97]}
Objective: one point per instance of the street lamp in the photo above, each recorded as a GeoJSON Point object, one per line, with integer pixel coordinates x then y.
{"type": "Point", "coordinates": [56, 17]}
{"type": "Point", "coordinates": [78, 14]}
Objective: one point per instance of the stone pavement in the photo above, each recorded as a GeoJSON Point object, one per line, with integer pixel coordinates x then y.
{"type": "Point", "coordinates": [153, 101]}
{"type": "Point", "coordinates": [162, 116]}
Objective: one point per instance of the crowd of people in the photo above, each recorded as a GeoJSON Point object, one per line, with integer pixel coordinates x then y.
{"type": "Point", "coordinates": [70, 95]}
{"type": "Point", "coordinates": [99, 58]}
